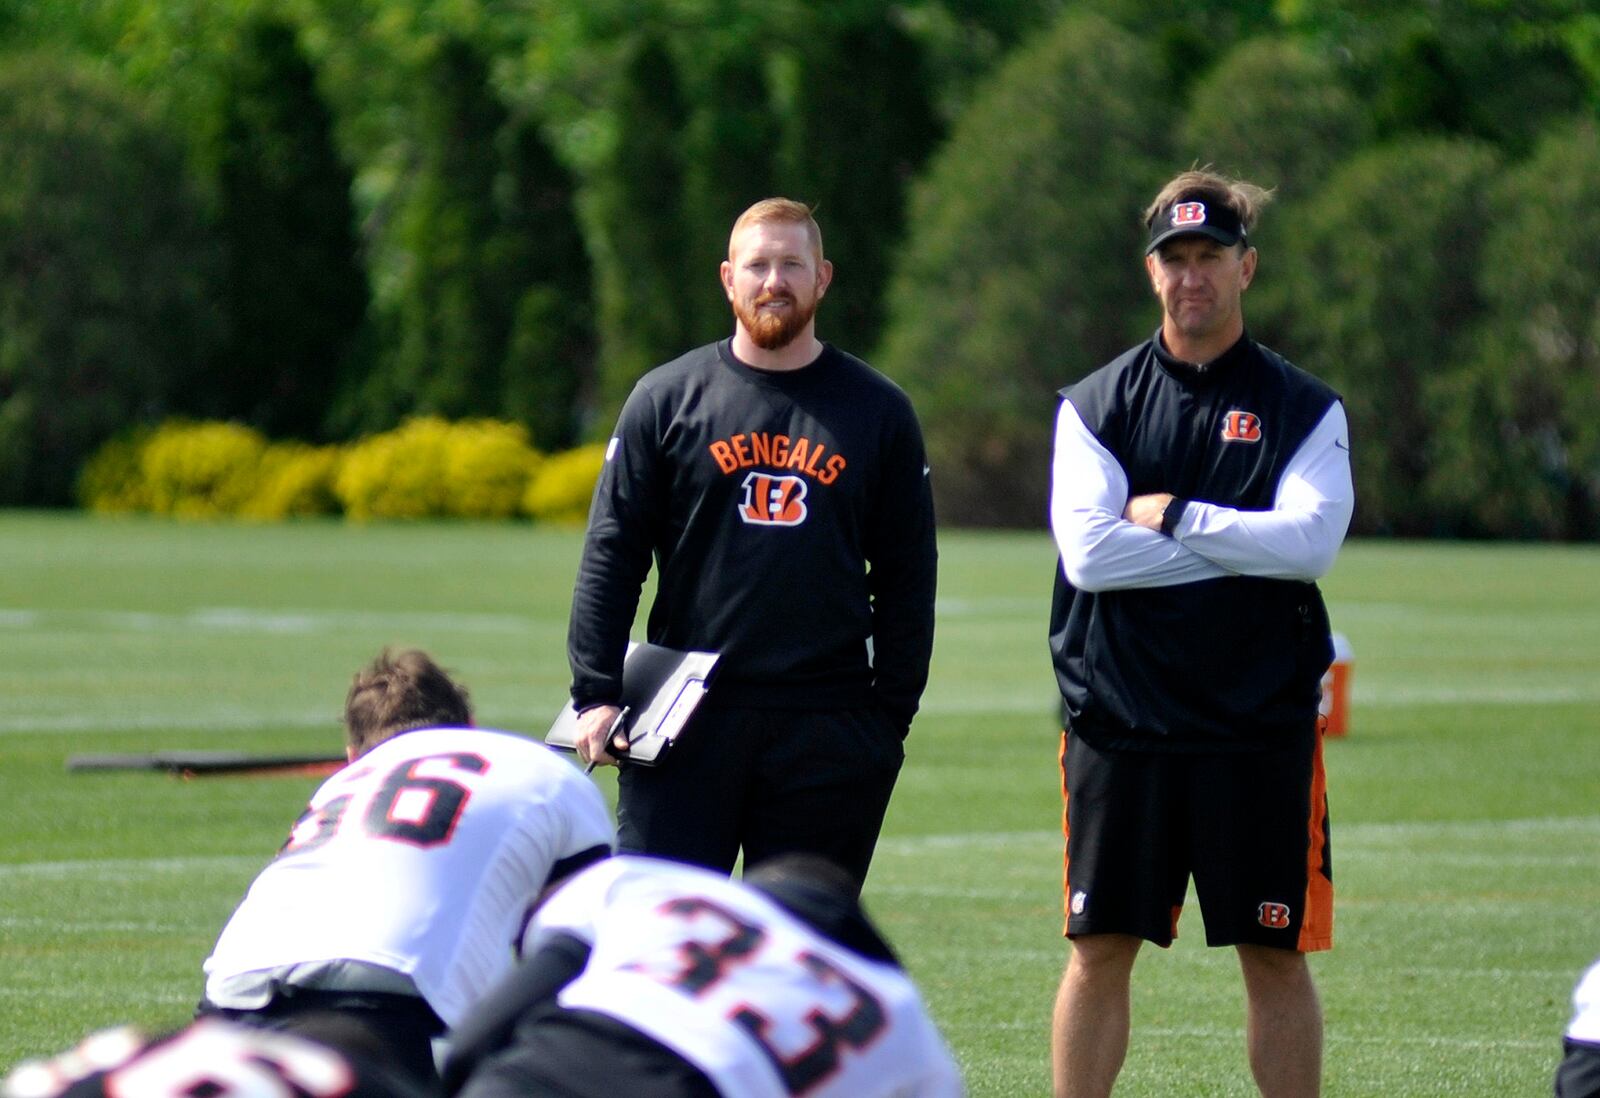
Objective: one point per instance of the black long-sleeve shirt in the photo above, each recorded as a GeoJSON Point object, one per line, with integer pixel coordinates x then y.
{"type": "Point", "coordinates": [790, 519]}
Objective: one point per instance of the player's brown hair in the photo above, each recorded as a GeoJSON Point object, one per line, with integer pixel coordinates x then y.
{"type": "Point", "coordinates": [1244, 199]}
{"type": "Point", "coordinates": [782, 211]}
{"type": "Point", "coordinates": [398, 692]}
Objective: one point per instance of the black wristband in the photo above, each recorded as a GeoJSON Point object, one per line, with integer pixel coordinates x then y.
{"type": "Point", "coordinates": [1171, 515]}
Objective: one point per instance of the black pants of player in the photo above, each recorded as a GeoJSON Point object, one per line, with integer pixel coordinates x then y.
{"type": "Point", "coordinates": [1579, 1073]}
{"type": "Point", "coordinates": [560, 1053]}
{"type": "Point", "coordinates": [403, 1026]}
{"type": "Point", "coordinates": [767, 781]}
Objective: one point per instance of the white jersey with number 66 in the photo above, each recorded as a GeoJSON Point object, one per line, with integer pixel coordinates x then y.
{"type": "Point", "coordinates": [422, 857]}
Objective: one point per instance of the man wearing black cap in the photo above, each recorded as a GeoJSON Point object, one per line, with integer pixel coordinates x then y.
{"type": "Point", "coordinates": [1200, 486]}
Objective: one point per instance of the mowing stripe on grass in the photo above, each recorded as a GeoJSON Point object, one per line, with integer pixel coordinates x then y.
{"type": "Point", "coordinates": [131, 869]}
{"type": "Point", "coordinates": [1339, 1037]}
{"type": "Point", "coordinates": [232, 619]}
{"type": "Point", "coordinates": [80, 995]}
{"type": "Point", "coordinates": [1363, 833]}
{"type": "Point", "coordinates": [905, 846]}
{"type": "Point", "coordinates": [231, 721]}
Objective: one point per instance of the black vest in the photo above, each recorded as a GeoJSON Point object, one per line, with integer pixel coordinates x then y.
{"type": "Point", "coordinates": [1222, 664]}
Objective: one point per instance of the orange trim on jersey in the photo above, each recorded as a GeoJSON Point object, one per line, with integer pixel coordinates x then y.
{"type": "Point", "coordinates": [1066, 835]}
{"type": "Point", "coordinates": [1316, 928]}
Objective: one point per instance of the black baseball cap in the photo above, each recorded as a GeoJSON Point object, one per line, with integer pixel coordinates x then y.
{"type": "Point", "coordinates": [1195, 215]}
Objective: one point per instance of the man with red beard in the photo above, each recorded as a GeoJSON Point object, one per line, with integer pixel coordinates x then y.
{"type": "Point", "coordinates": [781, 488]}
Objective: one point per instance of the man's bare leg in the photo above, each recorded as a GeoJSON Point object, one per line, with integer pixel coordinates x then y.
{"type": "Point", "coordinates": [1283, 1022]}
{"type": "Point", "coordinates": [1092, 1015]}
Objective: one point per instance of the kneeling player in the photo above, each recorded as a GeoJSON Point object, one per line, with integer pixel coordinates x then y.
{"type": "Point", "coordinates": [651, 977]}
{"type": "Point", "coordinates": [404, 886]}
{"type": "Point", "coordinates": [325, 1056]}
{"type": "Point", "coordinates": [1579, 1074]}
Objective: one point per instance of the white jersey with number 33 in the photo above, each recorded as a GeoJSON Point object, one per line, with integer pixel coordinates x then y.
{"type": "Point", "coordinates": [421, 857]}
{"type": "Point", "coordinates": [760, 1002]}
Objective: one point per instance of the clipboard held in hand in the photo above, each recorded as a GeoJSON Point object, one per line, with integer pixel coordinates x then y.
{"type": "Point", "coordinates": [661, 687]}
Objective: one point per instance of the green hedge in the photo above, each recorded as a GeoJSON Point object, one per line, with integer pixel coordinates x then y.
{"type": "Point", "coordinates": [426, 468]}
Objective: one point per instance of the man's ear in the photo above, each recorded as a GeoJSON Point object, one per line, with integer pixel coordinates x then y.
{"type": "Point", "coordinates": [726, 273]}
{"type": "Point", "coordinates": [824, 277]}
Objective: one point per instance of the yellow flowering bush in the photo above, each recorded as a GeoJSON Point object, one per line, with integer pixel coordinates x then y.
{"type": "Point", "coordinates": [111, 481]}
{"type": "Point", "coordinates": [201, 470]}
{"type": "Point", "coordinates": [427, 467]}
{"type": "Point", "coordinates": [396, 474]}
{"type": "Point", "coordinates": [296, 479]}
{"type": "Point", "coordinates": [564, 485]}
{"type": "Point", "coordinates": [487, 468]}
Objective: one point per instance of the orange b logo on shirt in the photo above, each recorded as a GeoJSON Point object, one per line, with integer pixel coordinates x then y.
{"type": "Point", "coordinates": [1241, 427]}
{"type": "Point", "coordinates": [773, 500]}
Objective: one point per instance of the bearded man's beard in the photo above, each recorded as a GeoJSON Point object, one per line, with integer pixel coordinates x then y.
{"type": "Point", "coordinates": [774, 331]}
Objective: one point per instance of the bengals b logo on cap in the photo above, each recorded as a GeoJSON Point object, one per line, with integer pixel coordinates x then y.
{"type": "Point", "coordinates": [773, 500]}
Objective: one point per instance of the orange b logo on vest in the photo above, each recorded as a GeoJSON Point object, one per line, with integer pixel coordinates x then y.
{"type": "Point", "coordinates": [1241, 427]}
{"type": "Point", "coordinates": [773, 500]}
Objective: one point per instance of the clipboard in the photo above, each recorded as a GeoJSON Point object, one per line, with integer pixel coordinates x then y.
{"type": "Point", "coordinates": [661, 687]}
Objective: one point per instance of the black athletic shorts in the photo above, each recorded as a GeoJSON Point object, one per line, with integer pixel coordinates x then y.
{"type": "Point", "coordinates": [1251, 827]}
{"type": "Point", "coordinates": [560, 1053]}
{"type": "Point", "coordinates": [767, 781]}
{"type": "Point", "coordinates": [404, 1024]}
{"type": "Point", "coordinates": [1579, 1073]}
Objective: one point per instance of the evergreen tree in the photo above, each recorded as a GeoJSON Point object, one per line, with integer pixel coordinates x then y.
{"type": "Point", "coordinates": [1022, 268]}
{"type": "Point", "coordinates": [1277, 112]}
{"type": "Point", "coordinates": [732, 141]}
{"type": "Point", "coordinates": [862, 126]}
{"type": "Point", "coordinates": [642, 290]}
{"type": "Point", "coordinates": [1382, 264]}
{"type": "Point", "coordinates": [1520, 452]}
{"type": "Point", "coordinates": [549, 362]}
{"type": "Point", "coordinates": [106, 270]}
{"type": "Point", "coordinates": [454, 311]}
{"type": "Point", "coordinates": [294, 288]}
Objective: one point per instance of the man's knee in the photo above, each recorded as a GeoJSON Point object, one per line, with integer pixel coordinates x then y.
{"type": "Point", "coordinates": [1103, 955]}
{"type": "Point", "coordinates": [1269, 969]}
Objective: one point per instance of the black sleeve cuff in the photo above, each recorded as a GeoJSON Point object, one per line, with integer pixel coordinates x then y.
{"type": "Point", "coordinates": [1173, 513]}
{"type": "Point", "coordinates": [489, 1026]}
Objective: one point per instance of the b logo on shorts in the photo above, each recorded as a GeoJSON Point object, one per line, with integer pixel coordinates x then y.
{"type": "Point", "coordinates": [1273, 916]}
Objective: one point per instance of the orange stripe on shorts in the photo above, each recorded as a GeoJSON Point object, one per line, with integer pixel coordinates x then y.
{"type": "Point", "coordinates": [1066, 835]}
{"type": "Point", "coordinates": [1316, 928]}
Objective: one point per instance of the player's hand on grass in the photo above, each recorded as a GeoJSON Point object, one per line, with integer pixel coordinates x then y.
{"type": "Point", "coordinates": [594, 732]}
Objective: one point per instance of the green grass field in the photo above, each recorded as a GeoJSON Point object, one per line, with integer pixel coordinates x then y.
{"type": "Point", "coordinates": [1466, 799]}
